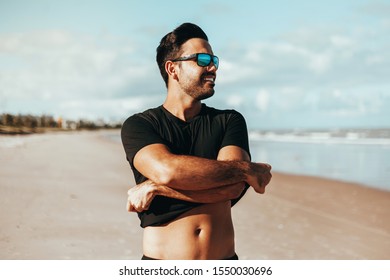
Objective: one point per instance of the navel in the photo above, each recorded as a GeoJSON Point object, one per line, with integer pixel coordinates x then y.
{"type": "Point", "coordinates": [198, 231]}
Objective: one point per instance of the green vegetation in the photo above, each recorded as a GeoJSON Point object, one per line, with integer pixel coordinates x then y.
{"type": "Point", "coordinates": [26, 124]}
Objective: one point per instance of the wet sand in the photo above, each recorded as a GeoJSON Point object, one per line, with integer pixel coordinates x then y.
{"type": "Point", "coordinates": [63, 196]}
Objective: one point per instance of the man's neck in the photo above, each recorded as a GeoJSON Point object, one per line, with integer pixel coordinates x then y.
{"type": "Point", "coordinates": [183, 108]}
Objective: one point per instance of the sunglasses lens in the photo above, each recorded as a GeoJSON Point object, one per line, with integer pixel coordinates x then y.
{"type": "Point", "coordinates": [216, 61]}
{"type": "Point", "coordinates": [204, 59]}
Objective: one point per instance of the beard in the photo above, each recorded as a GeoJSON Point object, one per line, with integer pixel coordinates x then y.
{"type": "Point", "coordinates": [199, 90]}
{"type": "Point", "coordinates": [201, 95]}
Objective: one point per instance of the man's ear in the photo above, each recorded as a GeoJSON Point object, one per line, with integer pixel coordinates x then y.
{"type": "Point", "coordinates": [171, 69]}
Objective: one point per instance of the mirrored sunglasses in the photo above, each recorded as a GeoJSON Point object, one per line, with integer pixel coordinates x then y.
{"type": "Point", "coordinates": [202, 59]}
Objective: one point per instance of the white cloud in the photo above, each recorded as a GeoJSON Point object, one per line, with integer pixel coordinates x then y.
{"type": "Point", "coordinates": [68, 71]}
{"type": "Point", "coordinates": [235, 72]}
{"type": "Point", "coordinates": [234, 101]}
{"type": "Point", "coordinates": [320, 62]}
{"type": "Point", "coordinates": [327, 71]}
{"type": "Point", "coordinates": [341, 41]}
{"type": "Point", "coordinates": [119, 108]}
{"type": "Point", "coordinates": [262, 100]}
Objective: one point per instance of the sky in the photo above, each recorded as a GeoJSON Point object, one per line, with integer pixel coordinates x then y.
{"type": "Point", "coordinates": [283, 64]}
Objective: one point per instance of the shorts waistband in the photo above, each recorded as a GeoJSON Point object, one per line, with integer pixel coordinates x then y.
{"type": "Point", "coordinates": [234, 257]}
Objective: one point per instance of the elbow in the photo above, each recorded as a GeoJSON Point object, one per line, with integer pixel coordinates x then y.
{"type": "Point", "coordinates": [169, 172]}
{"type": "Point", "coordinates": [163, 176]}
{"type": "Point", "coordinates": [156, 163]}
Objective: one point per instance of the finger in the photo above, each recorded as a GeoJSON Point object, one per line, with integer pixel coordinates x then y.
{"type": "Point", "coordinates": [266, 180]}
{"type": "Point", "coordinates": [139, 209]}
{"type": "Point", "coordinates": [134, 209]}
{"type": "Point", "coordinates": [128, 206]}
{"type": "Point", "coordinates": [261, 190]}
{"type": "Point", "coordinates": [264, 168]}
{"type": "Point", "coordinates": [269, 177]}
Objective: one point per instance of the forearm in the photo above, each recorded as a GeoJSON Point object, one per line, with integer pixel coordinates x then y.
{"type": "Point", "coordinates": [194, 173]}
{"type": "Point", "coordinates": [141, 196]}
{"type": "Point", "coordinates": [214, 195]}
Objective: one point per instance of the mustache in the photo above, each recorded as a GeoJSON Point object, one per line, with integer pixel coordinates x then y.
{"type": "Point", "coordinates": [208, 74]}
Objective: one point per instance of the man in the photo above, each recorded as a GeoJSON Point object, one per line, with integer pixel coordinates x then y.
{"type": "Point", "coordinates": [191, 162]}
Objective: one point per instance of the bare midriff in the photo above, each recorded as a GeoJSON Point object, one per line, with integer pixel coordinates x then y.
{"type": "Point", "coordinates": [205, 232]}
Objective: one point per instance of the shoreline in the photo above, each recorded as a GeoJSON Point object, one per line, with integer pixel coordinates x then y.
{"type": "Point", "coordinates": [63, 196]}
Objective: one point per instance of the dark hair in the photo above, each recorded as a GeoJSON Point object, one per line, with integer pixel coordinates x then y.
{"type": "Point", "coordinates": [170, 44]}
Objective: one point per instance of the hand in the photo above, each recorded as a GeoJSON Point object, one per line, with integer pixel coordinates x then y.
{"type": "Point", "coordinates": [140, 197]}
{"type": "Point", "coordinates": [259, 176]}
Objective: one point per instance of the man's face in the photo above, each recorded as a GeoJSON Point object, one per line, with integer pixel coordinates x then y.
{"type": "Point", "coordinates": [195, 80]}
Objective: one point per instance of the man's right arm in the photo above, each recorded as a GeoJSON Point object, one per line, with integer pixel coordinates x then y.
{"type": "Point", "coordinates": [184, 172]}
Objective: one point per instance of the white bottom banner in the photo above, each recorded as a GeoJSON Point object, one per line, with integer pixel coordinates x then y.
{"type": "Point", "coordinates": [253, 269]}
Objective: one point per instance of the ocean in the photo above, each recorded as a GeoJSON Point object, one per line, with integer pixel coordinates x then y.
{"type": "Point", "coordinates": [359, 156]}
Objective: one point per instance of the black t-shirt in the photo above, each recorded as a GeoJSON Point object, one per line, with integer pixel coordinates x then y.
{"type": "Point", "coordinates": [202, 136]}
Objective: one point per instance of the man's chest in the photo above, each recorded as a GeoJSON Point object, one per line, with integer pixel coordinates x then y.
{"type": "Point", "coordinates": [201, 139]}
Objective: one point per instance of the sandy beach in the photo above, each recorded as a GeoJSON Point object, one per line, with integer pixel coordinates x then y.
{"type": "Point", "coordinates": [63, 196]}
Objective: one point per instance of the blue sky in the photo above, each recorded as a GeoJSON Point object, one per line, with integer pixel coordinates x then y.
{"type": "Point", "coordinates": [284, 64]}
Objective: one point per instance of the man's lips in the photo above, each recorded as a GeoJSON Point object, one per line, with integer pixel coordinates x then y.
{"type": "Point", "coordinates": [209, 78]}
